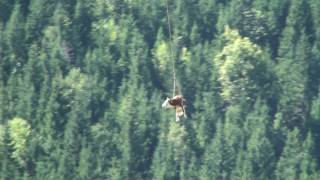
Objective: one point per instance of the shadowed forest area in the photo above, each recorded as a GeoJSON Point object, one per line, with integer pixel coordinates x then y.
{"type": "Point", "coordinates": [82, 82]}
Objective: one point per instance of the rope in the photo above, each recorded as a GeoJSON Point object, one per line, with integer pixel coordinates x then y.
{"type": "Point", "coordinates": [171, 51]}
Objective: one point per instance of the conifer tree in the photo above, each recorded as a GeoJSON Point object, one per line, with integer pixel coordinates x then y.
{"type": "Point", "coordinates": [85, 169]}
{"type": "Point", "coordinates": [288, 164]}
{"type": "Point", "coordinates": [38, 18]}
{"type": "Point", "coordinates": [213, 166]}
{"type": "Point", "coordinates": [135, 133]}
{"type": "Point", "coordinates": [15, 50]}
{"type": "Point", "coordinates": [308, 162]}
{"type": "Point", "coordinates": [292, 72]}
{"type": "Point", "coordinates": [81, 86]}
{"type": "Point", "coordinates": [77, 97]}
{"type": "Point", "coordinates": [5, 8]}
{"type": "Point", "coordinates": [259, 154]}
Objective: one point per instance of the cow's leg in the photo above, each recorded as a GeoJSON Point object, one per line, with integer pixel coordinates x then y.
{"type": "Point", "coordinates": [183, 111]}
{"type": "Point", "coordinates": [177, 117]}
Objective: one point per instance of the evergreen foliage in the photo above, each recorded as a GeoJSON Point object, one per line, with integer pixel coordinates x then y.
{"type": "Point", "coordinates": [82, 82]}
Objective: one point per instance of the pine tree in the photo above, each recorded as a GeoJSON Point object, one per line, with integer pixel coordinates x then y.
{"type": "Point", "coordinates": [250, 22]}
{"type": "Point", "coordinates": [308, 162]}
{"type": "Point", "coordinates": [205, 118]}
{"type": "Point", "coordinates": [207, 18]}
{"type": "Point", "coordinates": [288, 164]}
{"type": "Point", "coordinates": [294, 65]}
{"type": "Point", "coordinates": [170, 150]}
{"type": "Point", "coordinates": [162, 59]}
{"type": "Point", "coordinates": [12, 92]}
{"type": "Point", "coordinates": [8, 170]}
{"type": "Point", "coordinates": [85, 169]}
{"type": "Point", "coordinates": [135, 132]}
{"type": "Point", "coordinates": [297, 161]}
{"type": "Point", "coordinates": [5, 10]}
{"type": "Point", "coordinates": [150, 15]}
{"type": "Point", "coordinates": [274, 16]}
{"type": "Point", "coordinates": [292, 72]}
{"type": "Point", "coordinates": [37, 19]}
{"type": "Point", "coordinates": [105, 139]}
{"type": "Point", "coordinates": [77, 98]}
{"type": "Point", "coordinates": [213, 159]}
{"type": "Point", "coordinates": [259, 156]}
{"type": "Point", "coordinates": [2, 103]}
{"type": "Point", "coordinates": [189, 166]}
{"type": "Point", "coordinates": [87, 78]}
{"type": "Point", "coordinates": [220, 158]}
{"type": "Point", "coordinates": [314, 62]}
{"type": "Point", "coordinates": [15, 50]}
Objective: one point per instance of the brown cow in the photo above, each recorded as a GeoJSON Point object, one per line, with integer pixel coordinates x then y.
{"type": "Point", "coordinates": [177, 102]}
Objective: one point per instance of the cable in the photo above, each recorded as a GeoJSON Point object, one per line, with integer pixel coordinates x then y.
{"type": "Point", "coordinates": [171, 51]}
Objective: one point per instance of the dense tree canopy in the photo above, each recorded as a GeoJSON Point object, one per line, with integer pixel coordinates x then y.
{"type": "Point", "coordinates": [82, 82]}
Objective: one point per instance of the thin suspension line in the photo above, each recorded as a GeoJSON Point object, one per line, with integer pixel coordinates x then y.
{"type": "Point", "coordinates": [171, 51]}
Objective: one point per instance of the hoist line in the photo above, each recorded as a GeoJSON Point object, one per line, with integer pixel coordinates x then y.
{"type": "Point", "coordinates": [171, 50]}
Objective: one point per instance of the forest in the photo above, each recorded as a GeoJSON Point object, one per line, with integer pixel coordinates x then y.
{"type": "Point", "coordinates": [82, 83]}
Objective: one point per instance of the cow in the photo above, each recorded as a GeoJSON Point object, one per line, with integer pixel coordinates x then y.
{"type": "Point", "coordinates": [177, 103]}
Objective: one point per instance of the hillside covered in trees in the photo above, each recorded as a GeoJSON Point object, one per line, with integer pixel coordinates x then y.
{"type": "Point", "coordinates": [82, 82]}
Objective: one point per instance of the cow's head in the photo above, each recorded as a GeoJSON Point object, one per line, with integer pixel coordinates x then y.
{"type": "Point", "coordinates": [166, 103]}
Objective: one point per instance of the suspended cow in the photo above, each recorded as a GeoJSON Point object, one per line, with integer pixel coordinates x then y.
{"type": "Point", "coordinates": [178, 103]}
